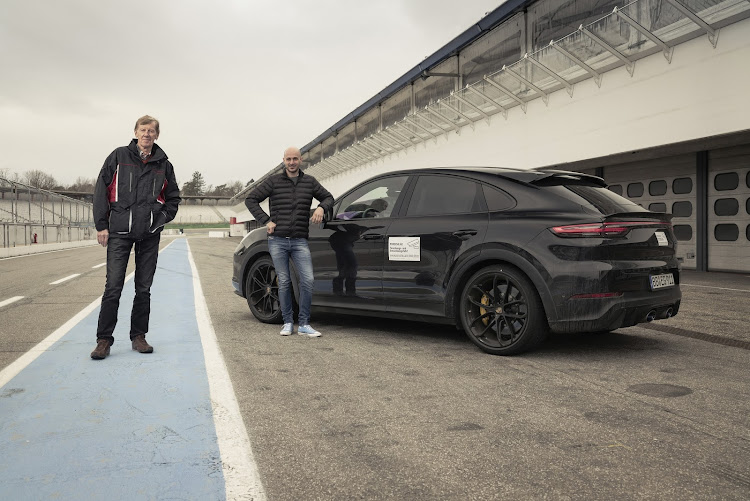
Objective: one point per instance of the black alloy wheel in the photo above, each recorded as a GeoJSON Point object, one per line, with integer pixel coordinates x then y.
{"type": "Point", "coordinates": [262, 291]}
{"type": "Point", "coordinates": [501, 311]}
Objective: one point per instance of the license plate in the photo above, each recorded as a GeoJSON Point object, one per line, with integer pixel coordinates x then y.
{"type": "Point", "coordinates": [662, 281]}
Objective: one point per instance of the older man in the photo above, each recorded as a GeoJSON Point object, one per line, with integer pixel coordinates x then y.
{"type": "Point", "coordinates": [291, 193]}
{"type": "Point", "coordinates": [136, 195]}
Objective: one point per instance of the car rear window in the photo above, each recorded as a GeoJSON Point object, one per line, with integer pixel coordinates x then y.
{"type": "Point", "coordinates": [590, 194]}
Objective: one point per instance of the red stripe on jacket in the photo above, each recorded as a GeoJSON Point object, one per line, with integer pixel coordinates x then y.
{"type": "Point", "coordinates": [112, 188]}
{"type": "Point", "coordinates": [161, 199]}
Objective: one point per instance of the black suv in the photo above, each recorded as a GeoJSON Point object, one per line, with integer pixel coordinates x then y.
{"type": "Point", "coordinates": [507, 255]}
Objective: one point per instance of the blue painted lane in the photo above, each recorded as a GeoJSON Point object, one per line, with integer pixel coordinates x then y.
{"type": "Point", "coordinates": [133, 426]}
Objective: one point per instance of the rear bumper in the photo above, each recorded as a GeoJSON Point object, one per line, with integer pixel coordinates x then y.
{"type": "Point", "coordinates": [589, 315]}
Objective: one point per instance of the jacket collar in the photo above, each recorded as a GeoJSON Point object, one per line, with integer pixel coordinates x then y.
{"type": "Point", "coordinates": [156, 152]}
{"type": "Point", "coordinates": [282, 173]}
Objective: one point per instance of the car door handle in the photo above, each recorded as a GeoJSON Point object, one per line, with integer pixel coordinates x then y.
{"type": "Point", "coordinates": [464, 233]}
{"type": "Point", "coordinates": [372, 236]}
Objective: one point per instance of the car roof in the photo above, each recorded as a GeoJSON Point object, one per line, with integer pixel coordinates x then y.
{"type": "Point", "coordinates": [530, 176]}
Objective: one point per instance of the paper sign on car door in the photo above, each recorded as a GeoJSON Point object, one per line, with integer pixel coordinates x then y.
{"type": "Point", "coordinates": [403, 249]}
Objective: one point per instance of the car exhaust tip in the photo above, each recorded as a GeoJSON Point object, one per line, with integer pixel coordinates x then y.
{"type": "Point", "coordinates": [650, 316]}
{"type": "Point", "coordinates": [668, 312]}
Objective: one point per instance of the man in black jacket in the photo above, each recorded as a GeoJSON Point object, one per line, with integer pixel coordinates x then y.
{"type": "Point", "coordinates": [290, 195]}
{"type": "Point", "coordinates": [136, 194]}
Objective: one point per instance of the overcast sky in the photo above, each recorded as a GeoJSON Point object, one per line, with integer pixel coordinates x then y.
{"type": "Point", "coordinates": [233, 82]}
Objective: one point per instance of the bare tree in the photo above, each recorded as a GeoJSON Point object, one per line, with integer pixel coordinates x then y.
{"type": "Point", "coordinates": [9, 175]}
{"type": "Point", "coordinates": [40, 179]}
{"type": "Point", "coordinates": [83, 185]}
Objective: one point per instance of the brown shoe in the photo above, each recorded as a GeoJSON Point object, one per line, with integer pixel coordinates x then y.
{"type": "Point", "coordinates": [102, 349]}
{"type": "Point", "coordinates": [140, 344]}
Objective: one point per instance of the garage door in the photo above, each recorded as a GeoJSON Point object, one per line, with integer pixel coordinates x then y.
{"type": "Point", "coordinates": [663, 185]}
{"type": "Point", "coordinates": [729, 209]}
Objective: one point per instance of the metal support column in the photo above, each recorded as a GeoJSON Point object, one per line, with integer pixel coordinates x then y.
{"type": "Point", "coordinates": [701, 211]}
{"type": "Point", "coordinates": [629, 65]}
{"type": "Point", "coordinates": [591, 71]}
{"type": "Point", "coordinates": [713, 35]}
{"type": "Point", "coordinates": [666, 49]}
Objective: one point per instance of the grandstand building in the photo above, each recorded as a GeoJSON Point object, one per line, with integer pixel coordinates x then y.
{"type": "Point", "coordinates": [31, 215]}
{"type": "Point", "coordinates": [650, 95]}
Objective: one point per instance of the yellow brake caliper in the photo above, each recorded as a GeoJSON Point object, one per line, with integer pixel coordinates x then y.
{"type": "Point", "coordinates": [485, 301]}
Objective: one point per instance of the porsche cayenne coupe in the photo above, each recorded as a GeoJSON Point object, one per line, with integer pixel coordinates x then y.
{"type": "Point", "coordinates": [506, 255]}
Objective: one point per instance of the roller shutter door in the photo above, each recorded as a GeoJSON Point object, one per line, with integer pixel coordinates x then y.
{"type": "Point", "coordinates": [663, 185]}
{"type": "Point", "coordinates": [729, 209]}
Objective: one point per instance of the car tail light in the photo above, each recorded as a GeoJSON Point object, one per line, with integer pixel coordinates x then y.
{"type": "Point", "coordinates": [606, 230]}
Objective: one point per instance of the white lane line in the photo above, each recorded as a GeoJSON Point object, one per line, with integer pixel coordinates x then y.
{"type": "Point", "coordinates": [24, 360]}
{"type": "Point", "coordinates": [11, 300]}
{"type": "Point", "coordinates": [241, 476]}
{"type": "Point", "coordinates": [99, 265]}
{"type": "Point", "coordinates": [64, 279]}
{"type": "Point", "coordinates": [49, 252]}
{"type": "Point", "coordinates": [720, 288]}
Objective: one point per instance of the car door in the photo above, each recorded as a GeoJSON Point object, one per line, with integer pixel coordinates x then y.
{"type": "Point", "coordinates": [348, 250]}
{"type": "Point", "coordinates": [444, 223]}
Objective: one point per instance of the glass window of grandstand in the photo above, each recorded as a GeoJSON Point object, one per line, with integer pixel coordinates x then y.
{"type": "Point", "coordinates": [635, 190]}
{"type": "Point", "coordinates": [368, 123]}
{"type": "Point", "coordinates": [682, 186]}
{"type": "Point", "coordinates": [747, 232]}
{"type": "Point", "coordinates": [375, 199]}
{"type": "Point", "coordinates": [683, 232]}
{"type": "Point", "coordinates": [656, 188]}
{"type": "Point", "coordinates": [441, 195]}
{"type": "Point", "coordinates": [726, 232]}
{"type": "Point", "coordinates": [726, 181]}
{"type": "Point", "coordinates": [682, 209]}
{"type": "Point", "coordinates": [657, 207]}
{"type": "Point", "coordinates": [726, 207]}
{"type": "Point", "coordinates": [747, 205]}
{"type": "Point", "coordinates": [500, 47]}
{"type": "Point", "coordinates": [430, 89]}
{"type": "Point", "coordinates": [397, 107]}
{"type": "Point", "coordinates": [551, 20]}
{"type": "Point", "coordinates": [616, 188]}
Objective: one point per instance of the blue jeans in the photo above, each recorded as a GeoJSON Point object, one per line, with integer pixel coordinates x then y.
{"type": "Point", "coordinates": [282, 249]}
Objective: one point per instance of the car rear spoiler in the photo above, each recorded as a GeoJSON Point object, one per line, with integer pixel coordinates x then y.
{"type": "Point", "coordinates": [629, 216]}
{"type": "Point", "coordinates": [557, 177]}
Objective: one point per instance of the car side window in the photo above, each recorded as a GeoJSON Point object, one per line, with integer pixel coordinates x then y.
{"type": "Point", "coordinates": [437, 195]}
{"type": "Point", "coordinates": [498, 200]}
{"type": "Point", "coordinates": [374, 199]}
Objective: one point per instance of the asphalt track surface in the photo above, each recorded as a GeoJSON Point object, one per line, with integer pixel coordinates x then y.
{"type": "Point", "coordinates": [375, 409]}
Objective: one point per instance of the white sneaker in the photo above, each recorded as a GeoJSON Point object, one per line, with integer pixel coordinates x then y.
{"type": "Point", "coordinates": [306, 330]}
{"type": "Point", "coordinates": [286, 330]}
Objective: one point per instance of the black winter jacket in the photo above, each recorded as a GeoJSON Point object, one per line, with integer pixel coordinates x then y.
{"type": "Point", "coordinates": [132, 198]}
{"type": "Point", "coordinates": [289, 203]}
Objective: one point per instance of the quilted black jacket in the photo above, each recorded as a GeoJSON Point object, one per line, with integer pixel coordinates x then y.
{"type": "Point", "coordinates": [289, 203]}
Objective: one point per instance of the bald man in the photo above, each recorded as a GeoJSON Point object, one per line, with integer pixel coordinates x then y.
{"type": "Point", "coordinates": [290, 195]}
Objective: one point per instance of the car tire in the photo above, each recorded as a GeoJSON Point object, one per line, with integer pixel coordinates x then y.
{"type": "Point", "coordinates": [501, 311]}
{"type": "Point", "coordinates": [262, 291]}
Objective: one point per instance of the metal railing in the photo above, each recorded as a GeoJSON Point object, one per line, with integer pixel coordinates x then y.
{"type": "Point", "coordinates": [30, 215]}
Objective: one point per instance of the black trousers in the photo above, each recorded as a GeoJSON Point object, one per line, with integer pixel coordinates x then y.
{"type": "Point", "coordinates": [118, 253]}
